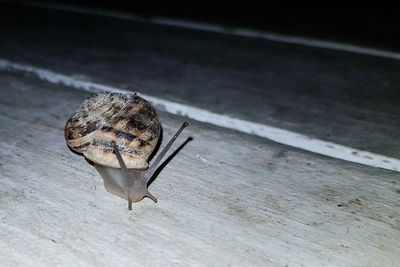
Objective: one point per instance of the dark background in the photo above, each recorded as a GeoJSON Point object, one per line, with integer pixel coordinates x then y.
{"type": "Point", "coordinates": [346, 97]}
{"type": "Point", "coordinates": [376, 25]}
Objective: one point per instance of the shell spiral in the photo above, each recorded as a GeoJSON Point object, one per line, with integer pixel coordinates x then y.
{"type": "Point", "coordinates": [128, 120]}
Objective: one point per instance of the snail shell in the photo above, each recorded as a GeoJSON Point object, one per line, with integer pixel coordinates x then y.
{"type": "Point", "coordinates": [118, 133]}
{"type": "Point", "coordinates": [128, 120]}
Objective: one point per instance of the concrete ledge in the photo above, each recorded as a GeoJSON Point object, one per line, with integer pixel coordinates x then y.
{"type": "Point", "coordinates": [225, 199]}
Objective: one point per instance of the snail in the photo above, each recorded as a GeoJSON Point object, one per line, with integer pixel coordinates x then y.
{"type": "Point", "coordinates": [118, 133]}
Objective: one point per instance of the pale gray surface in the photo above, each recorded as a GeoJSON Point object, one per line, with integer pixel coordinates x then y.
{"type": "Point", "coordinates": [225, 199]}
{"type": "Point", "coordinates": [341, 97]}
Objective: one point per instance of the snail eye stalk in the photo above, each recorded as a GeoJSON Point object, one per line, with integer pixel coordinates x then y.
{"type": "Point", "coordinates": [154, 166]}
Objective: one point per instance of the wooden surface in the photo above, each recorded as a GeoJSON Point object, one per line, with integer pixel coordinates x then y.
{"type": "Point", "coordinates": [226, 199]}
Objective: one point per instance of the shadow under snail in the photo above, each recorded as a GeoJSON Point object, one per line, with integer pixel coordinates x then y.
{"type": "Point", "coordinates": [118, 133]}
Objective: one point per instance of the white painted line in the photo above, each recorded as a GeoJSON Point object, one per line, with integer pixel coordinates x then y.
{"type": "Point", "coordinates": [270, 36]}
{"type": "Point", "coordinates": [272, 133]}
{"type": "Point", "coordinates": [85, 10]}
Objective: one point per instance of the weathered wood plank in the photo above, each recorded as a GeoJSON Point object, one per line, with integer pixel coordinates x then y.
{"type": "Point", "coordinates": [225, 199]}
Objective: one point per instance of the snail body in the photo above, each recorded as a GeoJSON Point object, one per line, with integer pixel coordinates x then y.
{"type": "Point", "coordinates": [118, 133]}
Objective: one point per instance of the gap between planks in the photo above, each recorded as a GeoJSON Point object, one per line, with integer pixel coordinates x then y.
{"type": "Point", "coordinates": [275, 134]}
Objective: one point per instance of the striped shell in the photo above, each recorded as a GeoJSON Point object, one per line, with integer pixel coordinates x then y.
{"type": "Point", "coordinates": [129, 120]}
